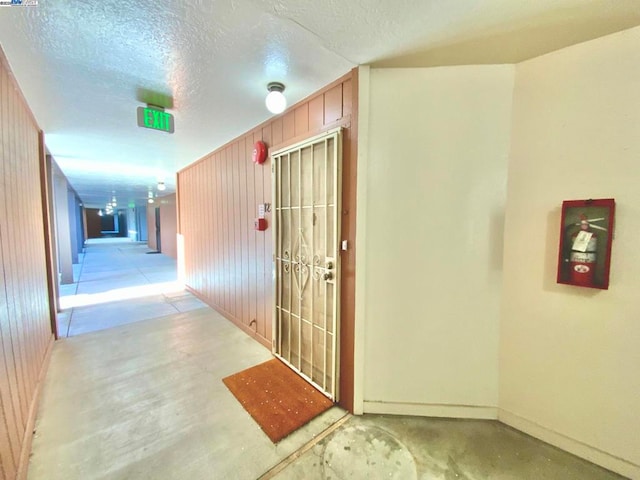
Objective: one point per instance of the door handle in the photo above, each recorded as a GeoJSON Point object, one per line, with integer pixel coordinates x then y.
{"type": "Point", "coordinates": [328, 276]}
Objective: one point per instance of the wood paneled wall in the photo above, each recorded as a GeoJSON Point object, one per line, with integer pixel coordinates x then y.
{"type": "Point", "coordinates": [25, 328]}
{"type": "Point", "coordinates": [227, 263]}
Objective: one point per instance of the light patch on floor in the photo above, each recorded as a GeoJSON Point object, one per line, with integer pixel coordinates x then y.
{"type": "Point", "coordinates": [118, 282]}
{"type": "Point", "coordinates": [117, 294]}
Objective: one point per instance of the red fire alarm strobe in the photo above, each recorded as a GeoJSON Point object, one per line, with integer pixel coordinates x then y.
{"type": "Point", "coordinates": [260, 224]}
{"type": "Point", "coordinates": [259, 152]}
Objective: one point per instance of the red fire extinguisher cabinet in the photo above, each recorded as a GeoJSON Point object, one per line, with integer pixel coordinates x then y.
{"type": "Point", "coordinates": [586, 234]}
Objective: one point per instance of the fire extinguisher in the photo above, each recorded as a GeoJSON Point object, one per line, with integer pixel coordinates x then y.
{"type": "Point", "coordinates": [582, 260]}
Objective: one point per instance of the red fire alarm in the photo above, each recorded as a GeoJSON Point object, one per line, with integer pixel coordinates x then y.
{"type": "Point", "coordinates": [259, 152]}
{"type": "Point", "coordinates": [260, 224]}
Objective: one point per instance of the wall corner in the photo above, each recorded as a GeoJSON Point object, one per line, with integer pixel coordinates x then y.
{"type": "Point", "coordinates": [363, 89]}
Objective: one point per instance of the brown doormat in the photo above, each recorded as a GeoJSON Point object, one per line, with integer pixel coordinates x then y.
{"type": "Point", "coordinates": [277, 398]}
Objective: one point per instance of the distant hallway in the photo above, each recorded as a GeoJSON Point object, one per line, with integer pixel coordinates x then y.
{"type": "Point", "coordinates": [118, 282]}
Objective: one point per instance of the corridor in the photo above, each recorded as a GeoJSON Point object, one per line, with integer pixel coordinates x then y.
{"type": "Point", "coordinates": [118, 281]}
{"type": "Point", "coordinates": [136, 392]}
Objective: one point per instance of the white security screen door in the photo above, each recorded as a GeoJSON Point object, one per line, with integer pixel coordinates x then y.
{"type": "Point", "coordinates": [306, 181]}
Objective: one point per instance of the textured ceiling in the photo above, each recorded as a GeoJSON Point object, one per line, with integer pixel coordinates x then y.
{"type": "Point", "coordinates": [85, 66]}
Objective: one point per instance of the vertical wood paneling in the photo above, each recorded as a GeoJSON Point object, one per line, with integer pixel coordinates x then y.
{"type": "Point", "coordinates": [196, 229]}
{"type": "Point", "coordinates": [276, 131]}
{"type": "Point", "coordinates": [11, 257]}
{"type": "Point", "coordinates": [237, 269]}
{"type": "Point", "coordinates": [230, 212]}
{"type": "Point", "coordinates": [245, 225]}
{"type": "Point", "coordinates": [316, 113]}
{"type": "Point", "coordinates": [9, 427]}
{"type": "Point", "coordinates": [347, 98]}
{"type": "Point", "coordinates": [251, 236]}
{"type": "Point", "coordinates": [258, 186]}
{"type": "Point", "coordinates": [301, 116]}
{"type": "Point", "coordinates": [288, 126]}
{"type": "Point", "coordinates": [207, 199]}
{"type": "Point", "coordinates": [220, 236]}
{"type": "Point", "coordinates": [12, 414]}
{"type": "Point", "coordinates": [227, 183]}
{"type": "Point", "coordinates": [333, 105]}
{"type": "Point", "coordinates": [25, 322]}
{"type": "Point", "coordinates": [219, 267]}
{"type": "Point", "coordinates": [202, 220]}
{"type": "Point", "coordinates": [219, 198]}
{"type": "Point", "coordinates": [267, 278]}
{"type": "Point", "coordinates": [9, 253]}
{"type": "Point", "coordinates": [197, 221]}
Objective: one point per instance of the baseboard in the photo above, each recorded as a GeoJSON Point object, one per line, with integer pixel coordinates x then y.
{"type": "Point", "coordinates": [245, 328]}
{"type": "Point", "coordinates": [432, 410]}
{"type": "Point", "coordinates": [25, 451]}
{"type": "Point", "coordinates": [571, 445]}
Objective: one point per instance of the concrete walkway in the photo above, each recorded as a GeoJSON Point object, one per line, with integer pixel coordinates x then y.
{"type": "Point", "coordinates": [139, 395]}
{"type": "Point", "coordinates": [117, 282]}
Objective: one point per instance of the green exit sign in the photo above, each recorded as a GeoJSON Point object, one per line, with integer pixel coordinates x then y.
{"type": "Point", "coordinates": [155, 119]}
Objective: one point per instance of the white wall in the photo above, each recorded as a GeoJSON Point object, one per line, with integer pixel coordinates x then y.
{"type": "Point", "coordinates": [570, 357]}
{"type": "Point", "coordinates": [431, 267]}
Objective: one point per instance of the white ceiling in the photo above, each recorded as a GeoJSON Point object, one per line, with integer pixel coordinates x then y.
{"type": "Point", "coordinates": [84, 65]}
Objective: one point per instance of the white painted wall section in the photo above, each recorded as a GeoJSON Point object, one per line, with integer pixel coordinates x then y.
{"type": "Point", "coordinates": [570, 357]}
{"type": "Point", "coordinates": [436, 173]}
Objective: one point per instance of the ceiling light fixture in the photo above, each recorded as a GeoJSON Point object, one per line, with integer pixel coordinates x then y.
{"type": "Point", "coordinates": [275, 101]}
{"type": "Point", "coordinates": [161, 187]}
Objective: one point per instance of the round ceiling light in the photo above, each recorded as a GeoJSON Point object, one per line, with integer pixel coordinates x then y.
{"type": "Point", "coordinates": [275, 101]}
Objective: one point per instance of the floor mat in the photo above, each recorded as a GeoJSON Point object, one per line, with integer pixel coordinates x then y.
{"type": "Point", "coordinates": [277, 398]}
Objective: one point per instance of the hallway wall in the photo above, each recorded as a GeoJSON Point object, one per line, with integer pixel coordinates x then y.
{"type": "Point", "coordinates": [229, 264]}
{"type": "Point", "coordinates": [430, 277]}
{"type": "Point", "coordinates": [25, 328]}
{"type": "Point", "coordinates": [168, 225]}
{"type": "Point", "coordinates": [152, 241]}
{"type": "Point", "coordinates": [569, 358]}
{"type": "Point", "coordinates": [65, 208]}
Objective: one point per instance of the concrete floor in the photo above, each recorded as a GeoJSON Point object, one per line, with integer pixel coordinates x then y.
{"type": "Point", "coordinates": [145, 400]}
{"type": "Point", "coordinates": [410, 448]}
{"type": "Point", "coordinates": [117, 282]}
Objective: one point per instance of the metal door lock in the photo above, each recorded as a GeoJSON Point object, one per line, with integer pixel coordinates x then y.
{"type": "Point", "coordinates": [328, 276]}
